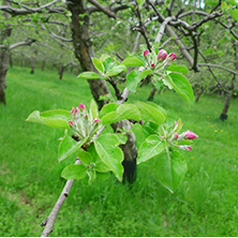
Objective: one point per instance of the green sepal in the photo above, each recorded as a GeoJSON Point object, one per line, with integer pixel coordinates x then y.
{"type": "Point", "coordinates": [74, 171]}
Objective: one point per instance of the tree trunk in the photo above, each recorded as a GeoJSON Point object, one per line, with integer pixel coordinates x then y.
{"type": "Point", "coordinates": [199, 93]}
{"type": "Point", "coordinates": [10, 60]}
{"type": "Point", "coordinates": [43, 65]}
{"type": "Point", "coordinates": [32, 63]}
{"type": "Point", "coordinates": [83, 52]}
{"type": "Point", "coordinates": [224, 115]}
{"type": "Point", "coordinates": [61, 71]}
{"type": "Point", "coordinates": [4, 57]}
{"type": "Point", "coordinates": [152, 94]}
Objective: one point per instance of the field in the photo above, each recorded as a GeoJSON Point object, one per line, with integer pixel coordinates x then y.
{"type": "Point", "coordinates": [205, 204]}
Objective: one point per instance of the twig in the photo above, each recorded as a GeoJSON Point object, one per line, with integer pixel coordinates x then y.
{"type": "Point", "coordinates": [50, 220]}
{"type": "Point", "coordinates": [103, 8]}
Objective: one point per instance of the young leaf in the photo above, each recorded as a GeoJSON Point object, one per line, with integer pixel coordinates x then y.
{"type": "Point", "coordinates": [150, 128]}
{"type": "Point", "coordinates": [124, 111]}
{"type": "Point", "coordinates": [234, 14]}
{"type": "Point", "coordinates": [110, 154]}
{"type": "Point", "coordinates": [103, 176]}
{"type": "Point", "coordinates": [101, 167]}
{"type": "Point", "coordinates": [89, 75]}
{"type": "Point", "coordinates": [152, 146]}
{"type": "Point", "coordinates": [182, 86]}
{"type": "Point", "coordinates": [98, 65]}
{"type": "Point", "coordinates": [132, 61]}
{"type": "Point", "coordinates": [134, 78]}
{"type": "Point", "coordinates": [116, 70]}
{"type": "Point", "coordinates": [94, 108]}
{"type": "Point", "coordinates": [84, 156]}
{"type": "Point", "coordinates": [151, 112]}
{"type": "Point", "coordinates": [54, 120]}
{"type": "Point", "coordinates": [68, 146]}
{"type": "Point", "coordinates": [74, 171]}
{"type": "Point", "coordinates": [92, 175]}
{"type": "Point", "coordinates": [178, 68]}
{"type": "Point", "coordinates": [108, 108]}
{"type": "Point", "coordinates": [170, 168]}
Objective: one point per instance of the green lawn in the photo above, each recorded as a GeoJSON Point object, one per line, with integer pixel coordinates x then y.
{"type": "Point", "coordinates": [205, 204]}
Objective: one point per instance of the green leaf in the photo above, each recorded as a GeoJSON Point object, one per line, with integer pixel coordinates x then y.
{"type": "Point", "coordinates": [108, 108]}
{"type": "Point", "coordinates": [152, 146]}
{"type": "Point", "coordinates": [178, 68]}
{"type": "Point", "coordinates": [103, 176]}
{"type": "Point", "coordinates": [68, 146]}
{"type": "Point", "coordinates": [89, 75]}
{"type": "Point", "coordinates": [170, 168]}
{"type": "Point", "coordinates": [110, 154]}
{"type": "Point", "coordinates": [101, 167]}
{"type": "Point", "coordinates": [152, 112]}
{"type": "Point", "coordinates": [234, 14]}
{"type": "Point", "coordinates": [106, 62]}
{"type": "Point", "coordinates": [150, 128]}
{"type": "Point", "coordinates": [182, 86]}
{"type": "Point", "coordinates": [179, 126]}
{"type": "Point", "coordinates": [122, 138]}
{"type": "Point", "coordinates": [84, 156]}
{"type": "Point", "coordinates": [92, 175]}
{"type": "Point", "coordinates": [134, 77]}
{"type": "Point", "coordinates": [74, 171]}
{"type": "Point", "coordinates": [132, 61]}
{"type": "Point", "coordinates": [157, 83]}
{"type": "Point", "coordinates": [124, 111]}
{"type": "Point", "coordinates": [93, 109]}
{"type": "Point", "coordinates": [98, 65]}
{"type": "Point", "coordinates": [117, 70]}
{"type": "Point", "coordinates": [140, 2]}
{"type": "Point", "coordinates": [54, 120]}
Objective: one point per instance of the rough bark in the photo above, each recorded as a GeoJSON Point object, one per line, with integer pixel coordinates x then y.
{"type": "Point", "coordinates": [4, 57]}
{"type": "Point", "coordinates": [152, 94]}
{"type": "Point", "coordinates": [83, 52]}
{"type": "Point", "coordinates": [224, 115]}
{"type": "Point", "coordinates": [43, 65]}
{"type": "Point", "coordinates": [199, 93]}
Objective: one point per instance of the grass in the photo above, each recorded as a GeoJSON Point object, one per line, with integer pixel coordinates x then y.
{"type": "Point", "coordinates": [205, 204]}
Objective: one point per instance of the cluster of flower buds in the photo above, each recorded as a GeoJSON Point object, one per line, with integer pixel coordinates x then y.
{"type": "Point", "coordinates": [83, 124]}
{"type": "Point", "coordinates": [184, 137]}
{"type": "Point", "coordinates": [162, 57]}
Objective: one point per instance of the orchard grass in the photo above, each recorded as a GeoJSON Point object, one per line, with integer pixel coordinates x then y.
{"type": "Point", "coordinates": [205, 203]}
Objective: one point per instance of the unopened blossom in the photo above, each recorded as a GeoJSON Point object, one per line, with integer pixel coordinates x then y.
{"type": "Point", "coordinates": [74, 110]}
{"type": "Point", "coordinates": [162, 55]}
{"type": "Point", "coordinates": [81, 106]}
{"type": "Point", "coordinates": [185, 147]}
{"type": "Point", "coordinates": [190, 135]}
{"type": "Point", "coordinates": [172, 56]}
{"type": "Point", "coordinates": [176, 135]}
{"type": "Point", "coordinates": [152, 65]}
{"type": "Point", "coordinates": [146, 52]}
{"type": "Point", "coordinates": [96, 120]}
{"type": "Point", "coordinates": [71, 123]}
{"type": "Point", "coordinates": [214, 47]}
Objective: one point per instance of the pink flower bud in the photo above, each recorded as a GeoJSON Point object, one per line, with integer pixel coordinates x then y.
{"type": "Point", "coordinates": [146, 52]}
{"type": "Point", "coordinates": [190, 135]}
{"type": "Point", "coordinates": [172, 56]}
{"type": "Point", "coordinates": [176, 135]}
{"type": "Point", "coordinates": [162, 55]}
{"type": "Point", "coordinates": [71, 123]}
{"type": "Point", "coordinates": [176, 123]}
{"type": "Point", "coordinates": [96, 120]}
{"type": "Point", "coordinates": [73, 111]}
{"type": "Point", "coordinates": [185, 147]}
{"type": "Point", "coordinates": [81, 106]}
{"type": "Point", "coordinates": [214, 47]}
{"type": "Point", "coordinates": [152, 65]}
{"type": "Point", "coordinates": [170, 46]}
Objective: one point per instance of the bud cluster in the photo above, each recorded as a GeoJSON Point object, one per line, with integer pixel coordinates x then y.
{"type": "Point", "coordinates": [158, 62]}
{"type": "Point", "coordinates": [175, 139]}
{"type": "Point", "coordinates": [83, 124]}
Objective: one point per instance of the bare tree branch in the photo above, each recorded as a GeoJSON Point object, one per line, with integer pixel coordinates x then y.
{"type": "Point", "coordinates": [50, 220]}
{"type": "Point", "coordinates": [22, 43]}
{"type": "Point", "coordinates": [103, 8]}
{"type": "Point", "coordinates": [220, 67]}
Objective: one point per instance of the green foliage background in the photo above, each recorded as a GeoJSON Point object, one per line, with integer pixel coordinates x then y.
{"type": "Point", "coordinates": [205, 203]}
